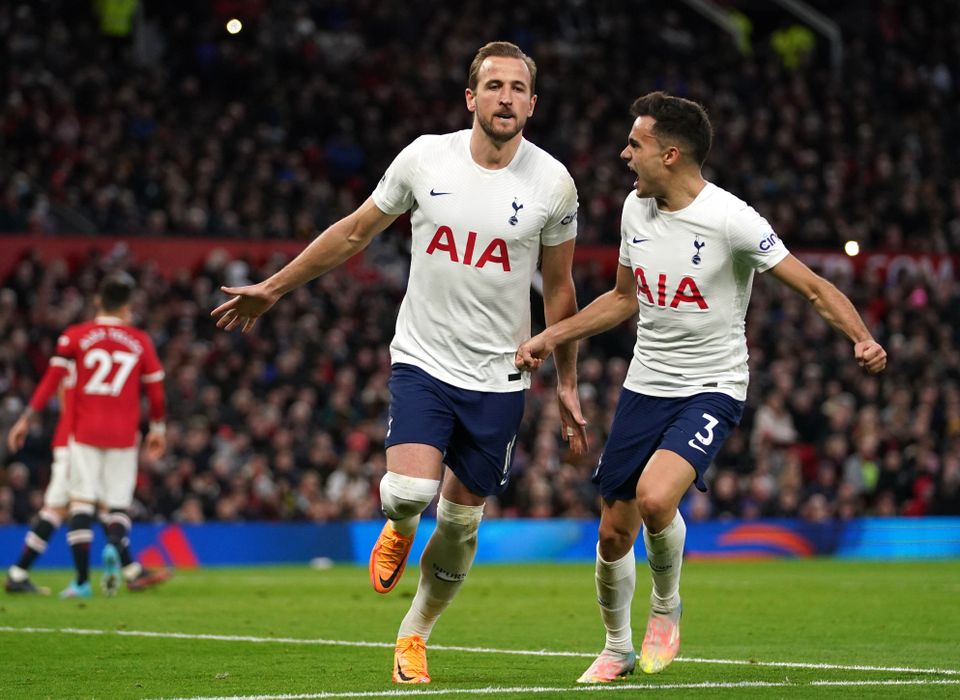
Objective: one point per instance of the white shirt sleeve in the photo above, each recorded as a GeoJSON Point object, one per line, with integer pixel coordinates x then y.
{"type": "Point", "coordinates": [394, 193]}
{"type": "Point", "coordinates": [561, 223]}
{"type": "Point", "coordinates": [624, 248]}
{"type": "Point", "coordinates": [753, 241]}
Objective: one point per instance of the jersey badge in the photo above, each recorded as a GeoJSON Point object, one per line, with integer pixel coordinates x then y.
{"type": "Point", "coordinates": [516, 210]}
{"type": "Point", "coordinates": [696, 256]}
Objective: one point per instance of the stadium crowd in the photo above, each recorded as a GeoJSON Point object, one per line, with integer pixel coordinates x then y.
{"type": "Point", "coordinates": [288, 422]}
{"type": "Point", "coordinates": [181, 130]}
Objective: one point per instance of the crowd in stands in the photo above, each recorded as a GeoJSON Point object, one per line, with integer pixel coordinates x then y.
{"type": "Point", "coordinates": [288, 422]}
{"type": "Point", "coordinates": [178, 129]}
{"type": "Point", "coordinates": [181, 129]}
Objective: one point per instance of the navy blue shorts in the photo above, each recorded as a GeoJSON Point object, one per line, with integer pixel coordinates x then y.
{"type": "Point", "coordinates": [475, 430]}
{"type": "Point", "coordinates": [694, 427]}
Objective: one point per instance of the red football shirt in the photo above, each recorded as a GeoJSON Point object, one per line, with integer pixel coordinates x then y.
{"type": "Point", "coordinates": [61, 436]}
{"type": "Point", "coordinates": [112, 361]}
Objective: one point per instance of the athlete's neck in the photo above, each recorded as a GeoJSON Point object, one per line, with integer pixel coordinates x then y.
{"type": "Point", "coordinates": [123, 314]}
{"type": "Point", "coordinates": [490, 154]}
{"type": "Point", "coordinates": [681, 193]}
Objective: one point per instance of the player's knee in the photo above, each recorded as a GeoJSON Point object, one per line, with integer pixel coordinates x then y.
{"type": "Point", "coordinates": [405, 496]}
{"type": "Point", "coordinates": [459, 521]}
{"type": "Point", "coordinates": [656, 508]}
{"type": "Point", "coordinates": [614, 542]}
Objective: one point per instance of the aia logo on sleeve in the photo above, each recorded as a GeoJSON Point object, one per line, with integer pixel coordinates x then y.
{"type": "Point", "coordinates": [686, 292]}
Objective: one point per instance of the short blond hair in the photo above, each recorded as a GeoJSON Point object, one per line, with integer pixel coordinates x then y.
{"type": "Point", "coordinates": [505, 49]}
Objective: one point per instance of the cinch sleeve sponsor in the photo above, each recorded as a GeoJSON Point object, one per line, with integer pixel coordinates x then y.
{"type": "Point", "coordinates": [394, 194]}
{"type": "Point", "coordinates": [561, 223]}
{"type": "Point", "coordinates": [753, 240]}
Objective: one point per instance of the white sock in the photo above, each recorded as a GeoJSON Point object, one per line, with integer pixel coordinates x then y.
{"type": "Point", "coordinates": [406, 526]}
{"type": "Point", "coordinates": [443, 567]}
{"type": "Point", "coordinates": [616, 581]}
{"type": "Point", "coordinates": [404, 498]}
{"type": "Point", "coordinates": [665, 557]}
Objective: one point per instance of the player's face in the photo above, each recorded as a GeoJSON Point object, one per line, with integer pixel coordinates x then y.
{"type": "Point", "coordinates": [644, 156]}
{"type": "Point", "coordinates": [502, 102]}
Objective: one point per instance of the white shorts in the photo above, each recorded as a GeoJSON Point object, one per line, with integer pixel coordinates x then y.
{"type": "Point", "coordinates": [104, 475]}
{"type": "Point", "coordinates": [57, 494]}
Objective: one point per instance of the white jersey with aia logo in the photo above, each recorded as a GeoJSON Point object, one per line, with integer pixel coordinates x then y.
{"type": "Point", "coordinates": [694, 272]}
{"type": "Point", "coordinates": [476, 240]}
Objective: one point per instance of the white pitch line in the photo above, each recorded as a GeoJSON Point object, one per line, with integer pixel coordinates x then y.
{"type": "Point", "coordinates": [892, 681]}
{"type": "Point", "coordinates": [496, 690]}
{"type": "Point", "coordinates": [475, 650]}
{"type": "Point", "coordinates": [633, 687]}
{"type": "Point", "coordinates": [820, 666]}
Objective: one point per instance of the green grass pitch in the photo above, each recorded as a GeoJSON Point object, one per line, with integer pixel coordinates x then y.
{"type": "Point", "coordinates": [281, 632]}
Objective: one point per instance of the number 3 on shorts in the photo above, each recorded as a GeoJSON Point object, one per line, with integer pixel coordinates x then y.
{"type": "Point", "coordinates": [705, 439]}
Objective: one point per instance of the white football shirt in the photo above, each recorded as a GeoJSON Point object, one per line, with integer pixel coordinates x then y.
{"type": "Point", "coordinates": [476, 240]}
{"type": "Point", "coordinates": [694, 272]}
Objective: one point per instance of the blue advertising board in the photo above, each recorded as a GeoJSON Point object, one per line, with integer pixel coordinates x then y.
{"type": "Point", "coordinates": [504, 541]}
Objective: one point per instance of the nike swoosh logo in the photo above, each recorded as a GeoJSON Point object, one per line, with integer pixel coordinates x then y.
{"type": "Point", "coordinates": [696, 446]}
{"type": "Point", "coordinates": [386, 583]}
{"type": "Point", "coordinates": [437, 194]}
{"type": "Point", "coordinates": [401, 674]}
{"type": "Point", "coordinates": [635, 240]}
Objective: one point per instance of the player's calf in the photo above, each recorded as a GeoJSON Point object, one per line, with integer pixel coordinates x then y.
{"type": "Point", "coordinates": [80, 537]}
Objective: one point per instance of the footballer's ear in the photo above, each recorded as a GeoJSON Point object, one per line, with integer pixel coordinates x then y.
{"type": "Point", "coordinates": [671, 155]}
{"type": "Point", "coordinates": [471, 100]}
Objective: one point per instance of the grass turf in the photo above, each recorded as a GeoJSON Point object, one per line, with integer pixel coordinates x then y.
{"type": "Point", "coordinates": [810, 611]}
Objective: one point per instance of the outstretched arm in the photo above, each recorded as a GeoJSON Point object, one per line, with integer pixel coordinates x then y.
{"type": "Point", "coordinates": [834, 306]}
{"type": "Point", "coordinates": [560, 302]}
{"type": "Point", "coordinates": [604, 312]}
{"type": "Point", "coordinates": [336, 244]}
